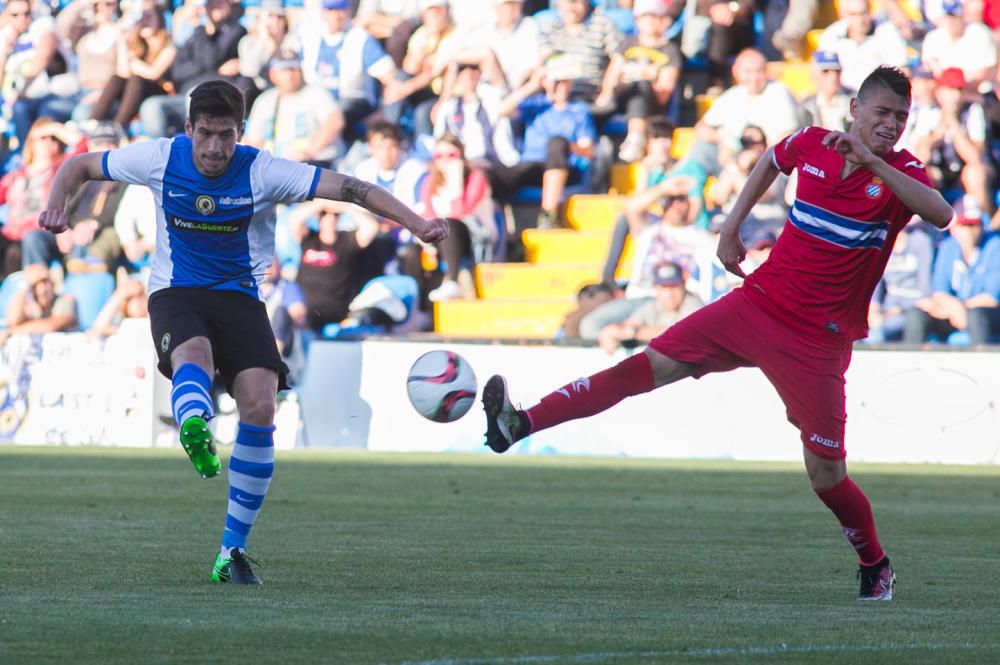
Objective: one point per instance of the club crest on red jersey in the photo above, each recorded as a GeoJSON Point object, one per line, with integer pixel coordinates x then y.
{"type": "Point", "coordinates": [873, 190]}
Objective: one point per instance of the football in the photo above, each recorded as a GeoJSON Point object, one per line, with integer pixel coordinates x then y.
{"type": "Point", "coordinates": [441, 386]}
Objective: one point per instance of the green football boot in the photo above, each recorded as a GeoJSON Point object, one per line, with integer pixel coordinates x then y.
{"type": "Point", "coordinates": [234, 569]}
{"type": "Point", "coordinates": [198, 443]}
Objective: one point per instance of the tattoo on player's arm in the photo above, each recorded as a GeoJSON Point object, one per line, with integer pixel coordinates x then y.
{"type": "Point", "coordinates": [356, 191]}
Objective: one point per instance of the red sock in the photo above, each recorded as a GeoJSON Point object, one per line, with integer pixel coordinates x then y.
{"type": "Point", "coordinates": [851, 507]}
{"type": "Point", "coordinates": [585, 397]}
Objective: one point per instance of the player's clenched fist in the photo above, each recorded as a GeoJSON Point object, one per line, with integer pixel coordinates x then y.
{"type": "Point", "coordinates": [433, 230]}
{"type": "Point", "coordinates": [850, 146]}
{"type": "Point", "coordinates": [53, 220]}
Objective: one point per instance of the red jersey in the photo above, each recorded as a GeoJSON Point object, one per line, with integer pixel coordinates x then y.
{"type": "Point", "coordinates": [832, 252]}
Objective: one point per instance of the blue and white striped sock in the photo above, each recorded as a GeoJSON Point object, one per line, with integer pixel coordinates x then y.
{"type": "Point", "coordinates": [191, 394]}
{"type": "Point", "coordinates": [250, 469]}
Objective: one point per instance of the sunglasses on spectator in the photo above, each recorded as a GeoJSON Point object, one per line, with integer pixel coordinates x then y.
{"type": "Point", "coordinates": [443, 154]}
{"type": "Point", "coordinates": [104, 3]}
{"type": "Point", "coordinates": [17, 14]}
{"type": "Point", "coordinates": [750, 141]}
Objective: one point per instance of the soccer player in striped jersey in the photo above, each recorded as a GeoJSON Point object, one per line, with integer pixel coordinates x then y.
{"type": "Point", "coordinates": [215, 213]}
{"type": "Point", "coordinates": [797, 315]}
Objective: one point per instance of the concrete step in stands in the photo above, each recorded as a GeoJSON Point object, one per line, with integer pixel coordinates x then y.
{"type": "Point", "coordinates": [594, 212]}
{"type": "Point", "coordinates": [498, 281]}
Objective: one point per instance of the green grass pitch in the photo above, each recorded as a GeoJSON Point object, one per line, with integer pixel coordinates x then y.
{"type": "Point", "coordinates": [105, 557]}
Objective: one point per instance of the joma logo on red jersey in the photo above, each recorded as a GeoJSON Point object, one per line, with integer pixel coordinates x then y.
{"type": "Point", "coordinates": [812, 170]}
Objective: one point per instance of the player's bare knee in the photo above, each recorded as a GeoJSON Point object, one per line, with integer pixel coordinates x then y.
{"type": "Point", "coordinates": [197, 350]}
{"type": "Point", "coordinates": [824, 473]}
{"type": "Point", "coordinates": [666, 369]}
{"type": "Point", "coordinates": [257, 408]}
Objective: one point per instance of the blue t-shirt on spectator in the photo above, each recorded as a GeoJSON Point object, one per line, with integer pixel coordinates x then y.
{"type": "Point", "coordinates": [953, 275]}
{"type": "Point", "coordinates": [543, 122]}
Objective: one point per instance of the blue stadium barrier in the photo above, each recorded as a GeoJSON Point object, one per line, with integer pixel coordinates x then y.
{"type": "Point", "coordinates": [91, 290]}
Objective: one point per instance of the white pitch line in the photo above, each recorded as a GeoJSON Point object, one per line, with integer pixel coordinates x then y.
{"type": "Point", "coordinates": [690, 653]}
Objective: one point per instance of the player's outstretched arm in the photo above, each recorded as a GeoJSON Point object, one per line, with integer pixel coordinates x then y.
{"type": "Point", "coordinates": [731, 251]}
{"type": "Point", "coordinates": [71, 177]}
{"type": "Point", "coordinates": [340, 187]}
{"type": "Point", "coordinates": [918, 197]}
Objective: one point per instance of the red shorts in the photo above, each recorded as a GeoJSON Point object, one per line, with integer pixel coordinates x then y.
{"type": "Point", "coordinates": [807, 373]}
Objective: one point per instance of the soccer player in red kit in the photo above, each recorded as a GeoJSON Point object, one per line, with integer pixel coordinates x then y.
{"type": "Point", "coordinates": [796, 316]}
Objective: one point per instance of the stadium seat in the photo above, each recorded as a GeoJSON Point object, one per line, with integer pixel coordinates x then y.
{"type": "Point", "coordinates": [623, 178]}
{"type": "Point", "coordinates": [519, 280]}
{"type": "Point", "coordinates": [565, 246]}
{"type": "Point", "coordinates": [594, 211]}
{"type": "Point", "coordinates": [796, 75]}
{"type": "Point", "coordinates": [702, 103]}
{"type": "Point", "coordinates": [91, 290]}
{"type": "Point", "coordinates": [683, 138]}
{"type": "Point", "coordinates": [520, 318]}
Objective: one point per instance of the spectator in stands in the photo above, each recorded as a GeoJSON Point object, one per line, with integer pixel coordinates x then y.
{"type": "Point", "coordinates": [143, 59]}
{"type": "Point", "coordinates": [286, 308]}
{"type": "Point", "coordinates": [431, 48]}
{"type": "Point", "coordinates": [588, 298]}
{"type": "Point", "coordinates": [860, 44]}
{"type": "Point", "coordinates": [294, 120]}
{"type": "Point", "coordinates": [642, 76]}
{"type": "Point", "coordinates": [830, 107]}
{"type": "Point", "coordinates": [958, 43]}
{"type": "Point", "coordinates": [559, 138]}
{"type": "Point", "coordinates": [91, 27]}
{"type": "Point", "coordinates": [210, 53]}
{"type": "Point", "coordinates": [347, 61]}
{"type": "Point", "coordinates": [135, 227]}
{"type": "Point", "coordinates": [965, 282]}
{"type": "Point", "coordinates": [461, 193]}
{"type": "Point", "coordinates": [754, 100]}
{"type": "Point", "coordinates": [92, 245]}
{"type": "Point", "coordinates": [267, 32]}
{"type": "Point", "coordinates": [906, 280]}
{"type": "Point", "coordinates": [670, 304]}
{"type": "Point", "coordinates": [328, 273]}
{"type": "Point", "coordinates": [668, 237]}
{"type": "Point", "coordinates": [26, 189]}
{"type": "Point", "coordinates": [656, 171]}
{"type": "Point", "coordinates": [798, 20]}
{"type": "Point", "coordinates": [392, 22]}
{"type": "Point", "coordinates": [472, 113]}
{"type": "Point", "coordinates": [35, 309]}
{"type": "Point", "coordinates": [731, 33]}
{"type": "Point", "coordinates": [127, 302]}
{"type": "Point", "coordinates": [34, 64]}
{"type": "Point", "coordinates": [951, 139]}
{"type": "Point", "coordinates": [588, 37]}
{"type": "Point", "coordinates": [514, 40]}
{"type": "Point", "coordinates": [770, 210]}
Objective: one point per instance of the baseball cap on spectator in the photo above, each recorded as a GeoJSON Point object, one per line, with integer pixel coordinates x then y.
{"type": "Point", "coordinates": [272, 6]}
{"type": "Point", "coordinates": [826, 61]}
{"type": "Point", "coordinates": [104, 132]}
{"type": "Point", "coordinates": [427, 4]}
{"type": "Point", "coordinates": [951, 77]}
{"type": "Point", "coordinates": [952, 7]}
{"type": "Point", "coordinates": [654, 7]}
{"type": "Point", "coordinates": [668, 274]}
{"type": "Point", "coordinates": [337, 4]}
{"type": "Point", "coordinates": [286, 57]}
{"type": "Point", "coordinates": [968, 211]}
{"type": "Point", "coordinates": [922, 71]}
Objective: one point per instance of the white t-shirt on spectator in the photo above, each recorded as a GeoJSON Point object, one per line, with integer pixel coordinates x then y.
{"type": "Point", "coordinates": [402, 8]}
{"type": "Point", "coordinates": [135, 217]}
{"type": "Point", "coordinates": [924, 120]}
{"type": "Point", "coordinates": [517, 50]}
{"type": "Point", "coordinates": [973, 52]}
{"type": "Point", "coordinates": [774, 111]}
{"type": "Point", "coordinates": [285, 124]}
{"type": "Point", "coordinates": [885, 46]}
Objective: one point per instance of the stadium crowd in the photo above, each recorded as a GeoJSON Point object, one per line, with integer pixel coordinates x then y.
{"type": "Point", "coordinates": [462, 108]}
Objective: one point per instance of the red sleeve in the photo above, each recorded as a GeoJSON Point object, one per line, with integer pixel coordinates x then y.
{"type": "Point", "coordinates": [788, 149]}
{"type": "Point", "coordinates": [5, 185]}
{"type": "Point", "coordinates": [909, 165]}
{"type": "Point", "coordinates": [476, 187]}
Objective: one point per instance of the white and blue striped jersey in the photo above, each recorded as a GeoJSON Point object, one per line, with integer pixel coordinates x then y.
{"type": "Point", "coordinates": [215, 233]}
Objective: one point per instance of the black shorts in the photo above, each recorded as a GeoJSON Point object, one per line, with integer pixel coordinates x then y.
{"type": "Point", "coordinates": [236, 325]}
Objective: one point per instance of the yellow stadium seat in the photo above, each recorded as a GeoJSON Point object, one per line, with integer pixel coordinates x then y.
{"type": "Point", "coordinates": [623, 178]}
{"type": "Point", "coordinates": [702, 103]}
{"type": "Point", "coordinates": [812, 41]}
{"type": "Point", "coordinates": [510, 319]}
{"type": "Point", "coordinates": [683, 138]}
{"type": "Point", "coordinates": [797, 75]}
{"type": "Point", "coordinates": [523, 280]}
{"type": "Point", "coordinates": [826, 13]}
{"type": "Point", "coordinates": [565, 246]}
{"type": "Point", "coordinates": [593, 212]}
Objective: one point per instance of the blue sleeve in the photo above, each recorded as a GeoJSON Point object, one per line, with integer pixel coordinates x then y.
{"type": "Point", "coordinates": [943, 265]}
{"type": "Point", "coordinates": [531, 108]}
{"type": "Point", "coordinates": [585, 126]}
{"type": "Point", "coordinates": [371, 53]}
{"type": "Point", "coordinates": [991, 262]}
{"type": "Point", "coordinates": [292, 294]}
